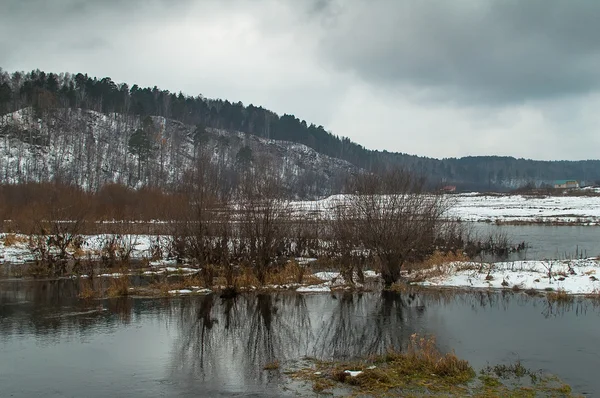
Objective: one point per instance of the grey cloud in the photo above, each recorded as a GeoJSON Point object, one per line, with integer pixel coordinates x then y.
{"type": "Point", "coordinates": [470, 50]}
{"type": "Point", "coordinates": [472, 76]}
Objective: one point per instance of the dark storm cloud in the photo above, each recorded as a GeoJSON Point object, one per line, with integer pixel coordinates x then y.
{"type": "Point", "coordinates": [430, 77]}
{"type": "Point", "coordinates": [476, 50]}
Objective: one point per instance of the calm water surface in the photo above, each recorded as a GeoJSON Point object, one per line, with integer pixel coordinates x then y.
{"type": "Point", "coordinates": [546, 242]}
{"type": "Point", "coordinates": [54, 345]}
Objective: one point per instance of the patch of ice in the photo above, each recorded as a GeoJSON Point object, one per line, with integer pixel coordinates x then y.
{"type": "Point", "coordinates": [180, 291]}
{"type": "Point", "coordinates": [314, 289]}
{"type": "Point", "coordinates": [353, 373]}
{"type": "Point", "coordinates": [327, 276]}
{"type": "Point", "coordinates": [162, 263]}
{"type": "Point", "coordinates": [370, 274]}
{"type": "Point", "coordinates": [305, 260]}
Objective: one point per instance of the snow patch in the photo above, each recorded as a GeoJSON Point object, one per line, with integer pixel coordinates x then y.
{"type": "Point", "coordinates": [571, 276]}
{"type": "Point", "coordinates": [314, 289]}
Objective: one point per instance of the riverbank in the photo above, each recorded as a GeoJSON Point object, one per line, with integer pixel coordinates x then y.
{"type": "Point", "coordinates": [580, 276]}
{"type": "Point", "coordinates": [558, 280]}
{"type": "Point", "coordinates": [147, 256]}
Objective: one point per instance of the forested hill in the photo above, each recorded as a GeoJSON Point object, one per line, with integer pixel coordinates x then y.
{"type": "Point", "coordinates": [39, 91]}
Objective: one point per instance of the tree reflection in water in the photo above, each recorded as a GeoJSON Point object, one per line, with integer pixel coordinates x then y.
{"type": "Point", "coordinates": [366, 324]}
{"type": "Point", "coordinates": [235, 337]}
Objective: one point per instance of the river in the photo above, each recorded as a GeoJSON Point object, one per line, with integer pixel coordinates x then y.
{"type": "Point", "coordinates": [545, 241]}
{"type": "Point", "coordinates": [55, 345]}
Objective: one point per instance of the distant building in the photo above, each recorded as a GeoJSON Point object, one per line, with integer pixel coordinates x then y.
{"type": "Point", "coordinates": [566, 184]}
{"type": "Point", "coordinates": [448, 188]}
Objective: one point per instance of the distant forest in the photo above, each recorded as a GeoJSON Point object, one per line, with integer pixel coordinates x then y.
{"type": "Point", "coordinates": [41, 90]}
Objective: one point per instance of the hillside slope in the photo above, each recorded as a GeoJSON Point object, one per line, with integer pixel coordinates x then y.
{"type": "Point", "coordinates": [90, 149]}
{"type": "Point", "coordinates": [49, 94]}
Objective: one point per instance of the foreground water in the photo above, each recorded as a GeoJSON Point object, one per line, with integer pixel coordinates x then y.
{"type": "Point", "coordinates": [54, 345]}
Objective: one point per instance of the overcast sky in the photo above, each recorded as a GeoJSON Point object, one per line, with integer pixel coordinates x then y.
{"type": "Point", "coordinates": [433, 78]}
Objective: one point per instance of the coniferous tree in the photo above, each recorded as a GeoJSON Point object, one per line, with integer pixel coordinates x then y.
{"type": "Point", "coordinates": [141, 142]}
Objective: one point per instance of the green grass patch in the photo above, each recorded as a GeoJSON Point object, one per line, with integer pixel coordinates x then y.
{"type": "Point", "coordinates": [422, 370]}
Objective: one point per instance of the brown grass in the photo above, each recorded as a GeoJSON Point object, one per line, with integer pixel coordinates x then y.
{"type": "Point", "coordinates": [246, 278]}
{"type": "Point", "coordinates": [421, 364]}
{"type": "Point", "coordinates": [12, 239]}
{"type": "Point", "coordinates": [119, 287]}
{"type": "Point", "coordinates": [560, 296]}
{"type": "Point", "coordinates": [271, 365]}
{"type": "Point", "coordinates": [291, 273]}
{"type": "Point", "coordinates": [437, 264]}
{"type": "Point", "coordinates": [164, 286]}
{"type": "Point", "coordinates": [440, 258]}
{"type": "Point", "coordinates": [593, 295]}
{"type": "Point", "coordinates": [423, 353]}
{"type": "Point", "coordinates": [87, 291]}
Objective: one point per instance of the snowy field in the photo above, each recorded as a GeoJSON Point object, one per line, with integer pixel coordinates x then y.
{"type": "Point", "coordinates": [519, 208]}
{"type": "Point", "coordinates": [582, 210]}
{"type": "Point", "coordinates": [18, 250]}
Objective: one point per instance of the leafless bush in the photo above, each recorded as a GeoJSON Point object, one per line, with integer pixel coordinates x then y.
{"type": "Point", "coordinates": [345, 239]}
{"type": "Point", "coordinates": [116, 249]}
{"type": "Point", "coordinates": [201, 224]}
{"type": "Point", "coordinates": [397, 220]}
{"type": "Point", "coordinates": [55, 221]}
{"type": "Point", "coordinates": [264, 215]}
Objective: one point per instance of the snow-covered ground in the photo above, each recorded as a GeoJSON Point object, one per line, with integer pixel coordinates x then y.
{"type": "Point", "coordinates": [519, 208]}
{"type": "Point", "coordinates": [571, 276]}
{"type": "Point", "coordinates": [18, 250]}
{"type": "Point", "coordinates": [495, 208]}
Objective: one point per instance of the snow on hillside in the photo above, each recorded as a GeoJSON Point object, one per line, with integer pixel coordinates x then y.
{"type": "Point", "coordinates": [91, 149]}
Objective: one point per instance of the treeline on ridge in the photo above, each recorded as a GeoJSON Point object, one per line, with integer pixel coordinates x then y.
{"type": "Point", "coordinates": [42, 90]}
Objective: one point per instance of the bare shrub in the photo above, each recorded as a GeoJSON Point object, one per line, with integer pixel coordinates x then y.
{"type": "Point", "coordinates": [201, 213]}
{"type": "Point", "coordinates": [119, 286]}
{"type": "Point", "coordinates": [116, 250]}
{"type": "Point", "coordinates": [398, 221]}
{"type": "Point", "coordinates": [344, 241]}
{"type": "Point", "coordinates": [264, 215]}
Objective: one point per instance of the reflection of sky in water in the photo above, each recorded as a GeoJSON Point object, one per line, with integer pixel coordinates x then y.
{"type": "Point", "coordinates": [207, 346]}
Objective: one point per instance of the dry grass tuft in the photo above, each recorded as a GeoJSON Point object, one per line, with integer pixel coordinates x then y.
{"type": "Point", "coordinates": [423, 353]}
{"type": "Point", "coordinates": [422, 364]}
{"type": "Point", "coordinates": [593, 295]}
{"type": "Point", "coordinates": [437, 264]}
{"type": "Point", "coordinates": [440, 258]}
{"type": "Point", "coordinates": [119, 287]}
{"type": "Point", "coordinates": [87, 291]}
{"type": "Point", "coordinates": [560, 296]}
{"type": "Point", "coordinates": [165, 285]}
{"type": "Point", "coordinates": [246, 278]}
{"type": "Point", "coordinates": [272, 365]}
{"type": "Point", "coordinates": [13, 239]}
{"type": "Point", "coordinates": [291, 273]}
